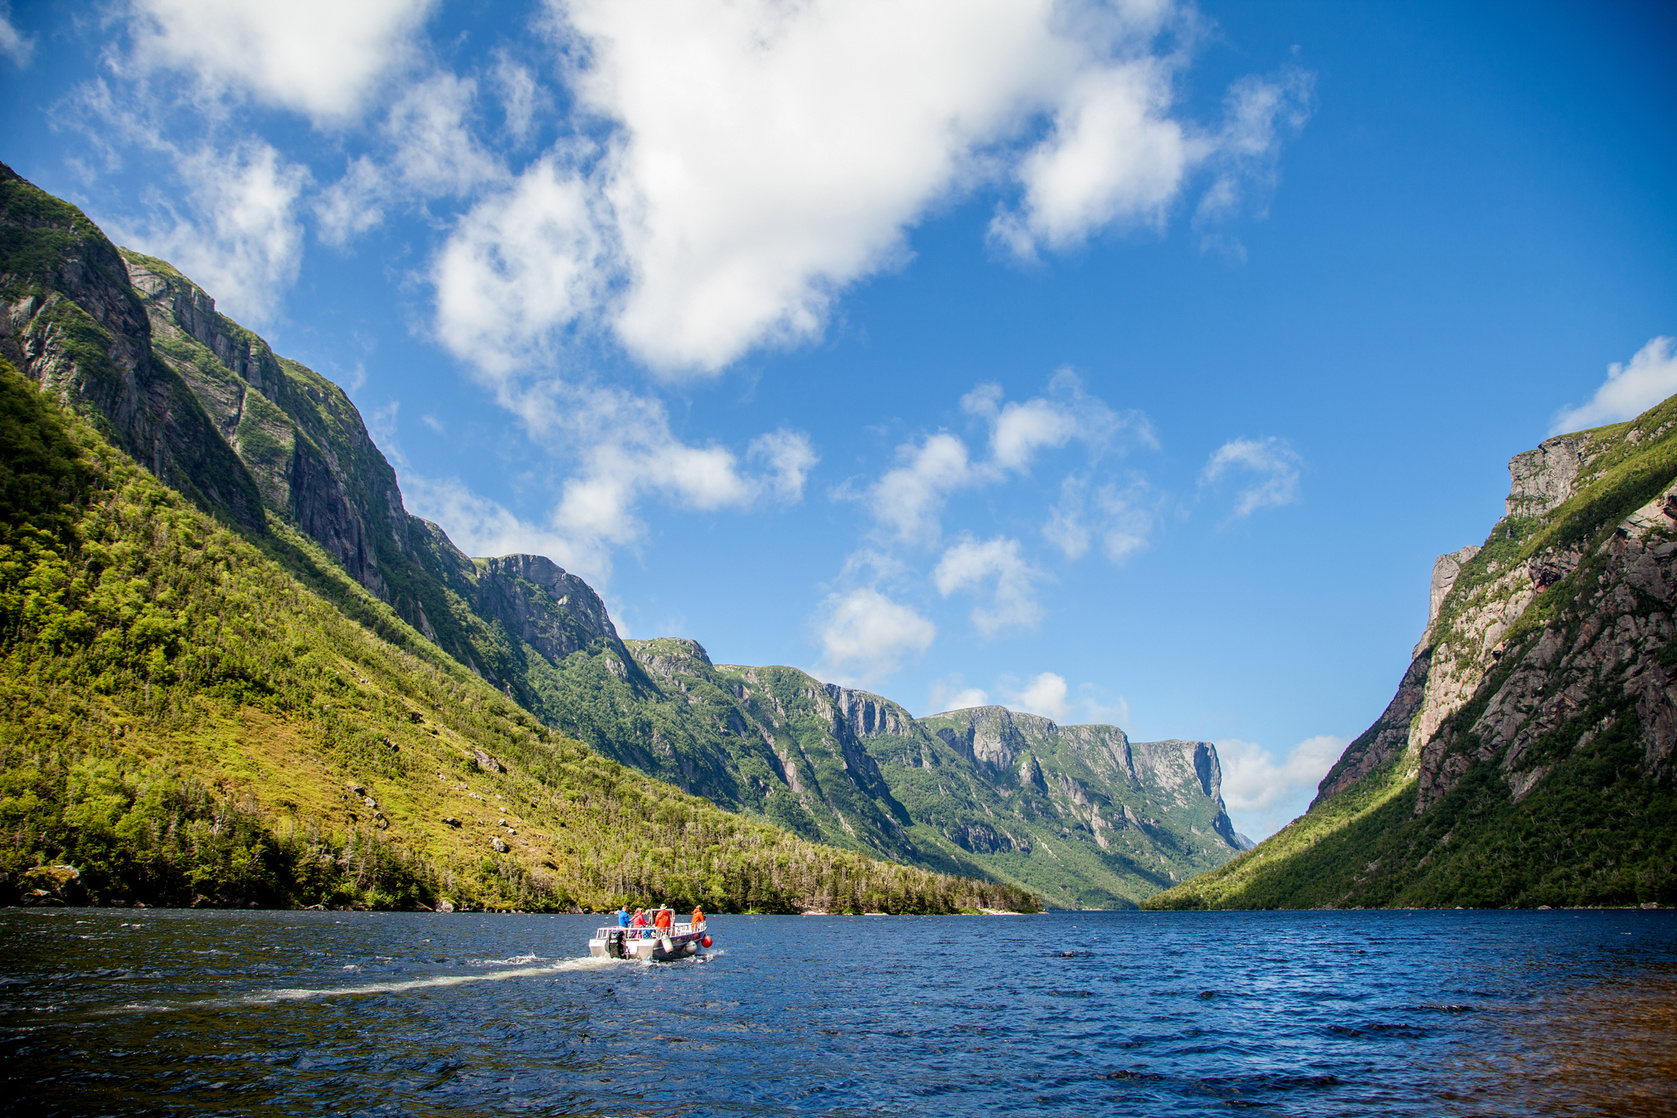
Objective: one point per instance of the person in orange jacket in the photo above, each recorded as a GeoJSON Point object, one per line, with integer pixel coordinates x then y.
{"type": "Point", "coordinates": [698, 917]}
{"type": "Point", "coordinates": [662, 920]}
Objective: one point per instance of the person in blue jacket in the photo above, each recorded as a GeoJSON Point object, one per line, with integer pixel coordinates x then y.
{"type": "Point", "coordinates": [623, 916]}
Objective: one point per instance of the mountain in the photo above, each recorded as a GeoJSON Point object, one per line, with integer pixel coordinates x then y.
{"type": "Point", "coordinates": [280, 454]}
{"type": "Point", "coordinates": [1526, 758]}
{"type": "Point", "coordinates": [1078, 813]}
{"type": "Point", "coordinates": [212, 691]}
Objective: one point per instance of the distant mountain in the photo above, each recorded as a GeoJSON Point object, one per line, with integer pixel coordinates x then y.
{"type": "Point", "coordinates": [280, 453]}
{"type": "Point", "coordinates": [1527, 757]}
{"type": "Point", "coordinates": [1078, 813]}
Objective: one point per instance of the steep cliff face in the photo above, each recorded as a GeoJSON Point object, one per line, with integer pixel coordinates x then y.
{"type": "Point", "coordinates": [304, 443]}
{"type": "Point", "coordinates": [1527, 756]}
{"type": "Point", "coordinates": [1078, 813]}
{"type": "Point", "coordinates": [71, 321]}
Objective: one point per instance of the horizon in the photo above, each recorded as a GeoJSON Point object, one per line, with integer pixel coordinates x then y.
{"type": "Point", "coordinates": [1123, 366]}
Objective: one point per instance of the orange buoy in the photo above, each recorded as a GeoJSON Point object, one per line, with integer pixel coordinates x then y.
{"type": "Point", "coordinates": [705, 941]}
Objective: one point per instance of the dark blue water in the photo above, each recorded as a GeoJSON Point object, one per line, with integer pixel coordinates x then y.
{"type": "Point", "coordinates": [1355, 1013]}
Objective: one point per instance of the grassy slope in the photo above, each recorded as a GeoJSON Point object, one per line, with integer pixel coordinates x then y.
{"type": "Point", "coordinates": [184, 717]}
{"type": "Point", "coordinates": [1595, 830]}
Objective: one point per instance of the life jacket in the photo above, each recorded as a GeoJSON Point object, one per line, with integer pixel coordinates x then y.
{"type": "Point", "coordinates": [662, 920]}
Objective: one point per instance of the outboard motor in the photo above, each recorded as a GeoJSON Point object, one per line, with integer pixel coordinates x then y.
{"type": "Point", "coordinates": [614, 944]}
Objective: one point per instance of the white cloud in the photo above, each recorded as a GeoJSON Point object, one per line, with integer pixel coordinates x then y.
{"type": "Point", "coordinates": [1259, 114]}
{"type": "Point", "coordinates": [1019, 429]}
{"type": "Point", "coordinates": [1045, 694]}
{"type": "Point", "coordinates": [436, 154]}
{"type": "Point", "coordinates": [1264, 794]}
{"type": "Point", "coordinates": [1123, 519]}
{"type": "Point", "coordinates": [1113, 158]}
{"type": "Point", "coordinates": [430, 152]}
{"type": "Point", "coordinates": [866, 636]}
{"type": "Point", "coordinates": [969, 564]}
{"type": "Point", "coordinates": [480, 526]}
{"type": "Point", "coordinates": [521, 97]}
{"type": "Point", "coordinates": [789, 458]}
{"type": "Point", "coordinates": [949, 694]}
{"type": "Point", "coordinates": [14, 44]}
{"type": "Point", "coordinates": [1628, 391]}
{"type": "Point", "coordinates": [909, 499]}
{"type": "Point", "coordinates": [625, 455]}
{"type": "Point", "coordinates": [757, 157]}
{"type": "Point", "coordinates": [520, 269]}
{"type": "Point", "coordinates": [322, 58]}
{"type": "Point", "coordinates": [353, 204]}
{"type": "Point", "coordinates": [1268, 468]}
{"type": "Point", "coordinates": [239, 238]}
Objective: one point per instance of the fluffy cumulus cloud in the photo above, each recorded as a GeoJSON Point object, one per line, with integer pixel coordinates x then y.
{"type": "Point", "coordinates": [1045, 694]}
{"type": "Point", "coordinates": [997, 566]}
{"type": "Point", "coordinates": [1265, 473]}
{"type": "Point", "coordinates": [1629, 390]}
{"type": "Point", "coordinates": [236, 231]}
{"type": "Point", "coordinates": [1263, 792]}
{"type": "Point", "coordinates": [865, 635]}
{"type": "Point", "coordinates": [519, 270]}
{"type": "Point", "coordinates": [755, 158]}
{"type": "Point", "coordinates": [321, 58]}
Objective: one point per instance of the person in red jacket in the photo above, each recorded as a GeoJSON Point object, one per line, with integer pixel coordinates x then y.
{"type": "Point", "coordinates": [640, 920]}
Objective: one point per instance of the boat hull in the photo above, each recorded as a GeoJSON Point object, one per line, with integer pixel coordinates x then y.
{"type": "Point", "coordinates": [647, 944]}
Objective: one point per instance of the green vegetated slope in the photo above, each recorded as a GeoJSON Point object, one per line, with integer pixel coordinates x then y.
{"type": "Point", "coordinates": [282, 454]}
{"type": "Point", "coordinates": [1527, 759]}
{"type": "Point", "coordinates": [1078, 814]}
{"type": "Point", "coordinates": [186, 719]}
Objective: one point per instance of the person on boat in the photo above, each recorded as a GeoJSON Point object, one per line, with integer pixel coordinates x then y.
{"type": "Point", "coordinates": [640, 920]}
{"type": "Point", "coordinates": [698, 917]}
{"type": "Point", "coordinates": [663, 919]}
{"type": "Point", "coordinates": [623, 916]}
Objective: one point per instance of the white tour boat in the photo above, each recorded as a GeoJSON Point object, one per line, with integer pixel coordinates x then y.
{"type": "Point", "coordinates": [658, 945]}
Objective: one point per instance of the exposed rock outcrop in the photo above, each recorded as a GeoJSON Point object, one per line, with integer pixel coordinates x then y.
{"type": "Point", "coordinates": [71, 321]}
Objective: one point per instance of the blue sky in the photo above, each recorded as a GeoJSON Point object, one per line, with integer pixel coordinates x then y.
{"type": "Point", "coordinates": [1123, 363]}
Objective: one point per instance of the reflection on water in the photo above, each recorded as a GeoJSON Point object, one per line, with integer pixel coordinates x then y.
{"type": "Point", "coordinates": [1413, 1013]}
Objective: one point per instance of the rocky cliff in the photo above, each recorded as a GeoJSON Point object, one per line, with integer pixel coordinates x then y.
{"type": "Point", "coordinates": [71, 321]}
{"type": "Point", "coordinates": [1078, 813]}
{"type": "Point", "coordinates": [1527, 755]}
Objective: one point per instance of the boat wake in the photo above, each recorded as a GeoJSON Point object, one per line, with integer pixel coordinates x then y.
{"type": "Point", "coordinates": [283, 994]}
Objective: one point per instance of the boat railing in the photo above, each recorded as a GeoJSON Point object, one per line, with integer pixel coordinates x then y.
{"type": "Point", "coordinates": [683, 929]}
